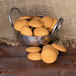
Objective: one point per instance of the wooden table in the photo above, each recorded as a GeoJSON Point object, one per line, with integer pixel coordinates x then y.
{"type": "Point", "coordinates": [13, 62]}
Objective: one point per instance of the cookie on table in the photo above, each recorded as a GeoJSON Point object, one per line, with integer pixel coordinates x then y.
{"type": "Point", "coordinates": [46, 46]}
{"type": "Point", "coordinates": [37, 18]}
{"type": "Point", "coordinates": [49, 55]}
{"type": "Point", "coordinates": [33, 49]}
{"type": "Point", "coordinates": [34, 56]}
{"type": "Point", "coordinates": [50, 46]}
{"type": "Point", "coordinates": [26, 31]}
{"type": "Point", "coordinates": [55, 20]}
{"type": "Point", "coordinates": [35, 23]}
{"type": "Point", "coordinates": [59, 47]}
{"type": "Point", "coordinates": [40, 31]}
{"type": "Point", "coordinates": [47, 21]}
{"type": "Point", "coordinates": [19, 24]}
{"type": "Point", "coordinates": [25, 17]}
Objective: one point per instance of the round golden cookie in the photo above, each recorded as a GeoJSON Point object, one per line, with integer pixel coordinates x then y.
{"type": "Point", "coordinates": [55, 20]}
{"type": "Point", "coordinates": [50, 46]}
{"type": "Point", "coordinates": [35, 23]}
{"type": "Point", "coordinates": [34, 56]}
{"type": "Point", "coordinates": [49, 55]}
{"type": "Point", "coordinates": [19, 24]}
{"type": "Point", "coordinates": [37, 18]}
{"type": "Point", "coordinates": [25, 17]}
{"type": "Point", "coordinates": [46, 46]}
{"type": "Point", "coordinates": [26, 31]}
{"type": "Point", "coordinates": [40, 31]}
{"type": "Point", "coordinates": [33, 49]}
{"type": "Point", "coordinates": [59, 47]}
{"type": "Point", "coordinates": [47, 21]}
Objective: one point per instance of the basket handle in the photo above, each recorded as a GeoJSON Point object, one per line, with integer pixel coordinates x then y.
{"type": "Point", "coordinates": [57, 26]}
{"type": "Point", "coordinates": [10, 15]}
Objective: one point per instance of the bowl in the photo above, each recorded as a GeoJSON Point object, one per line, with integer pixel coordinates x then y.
{"type": "Point", "coordinates": [33, 40]}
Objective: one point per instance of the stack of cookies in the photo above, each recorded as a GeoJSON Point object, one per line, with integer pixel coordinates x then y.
{"type": "Point", "coordinates": [48, 54]}
{"type": "Point", "coordinates": [35, 25]}
{"type": "Point", "coordinates": [39, 26]}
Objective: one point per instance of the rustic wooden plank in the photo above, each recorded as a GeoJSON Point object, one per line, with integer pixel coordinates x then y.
{"type": "Point", "coordinates": [7, 50]}
{"type": "Point", "coordinates": [71, 50]}
{"type": "Point", "coordinates": [12, 50]}
{"type": "Point", "coordinates": [21, 66]}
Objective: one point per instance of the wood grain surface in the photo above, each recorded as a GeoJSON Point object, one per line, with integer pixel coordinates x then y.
{"type": "Point", "coordinates": [13, 62]}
